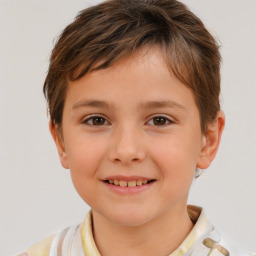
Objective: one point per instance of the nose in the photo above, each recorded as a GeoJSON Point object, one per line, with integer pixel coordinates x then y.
{"type": "Point", "coordinates": [127, 146]}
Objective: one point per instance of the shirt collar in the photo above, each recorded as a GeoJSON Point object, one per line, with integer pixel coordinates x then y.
{"type": "Point", "coordinates": [196, 214]}
{"type": "Point", "coordinates": [198, 217]}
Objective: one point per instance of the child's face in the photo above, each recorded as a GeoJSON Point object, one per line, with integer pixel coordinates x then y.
{"type": "Point", "coordinates": [132, 122]}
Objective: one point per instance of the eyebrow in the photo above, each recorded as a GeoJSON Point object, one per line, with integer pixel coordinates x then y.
{"type": "Point", "coordinates": [145, 105]}
{"type": "Point", "coordinates": [91, 103]}
{"type": "Point", "coordinates": [162, 104]}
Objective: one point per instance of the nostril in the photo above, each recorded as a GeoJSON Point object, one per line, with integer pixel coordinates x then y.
{"type": "Point", "coordinates": [135, 160]}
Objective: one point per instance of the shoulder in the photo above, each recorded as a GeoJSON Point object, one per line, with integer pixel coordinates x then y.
{"type": "Point", "coordinates": [233, 248]}
{"type": "Point", "coordinates": [224, 246]}
{"type": "Point", "coordinates": [41, 248]}
{"type": "Point", "coordinates": [66, 240]}
{"type": "Point", "coordinates": [208, 240]}
{"type": "Point", "coordinates": [236, 251]}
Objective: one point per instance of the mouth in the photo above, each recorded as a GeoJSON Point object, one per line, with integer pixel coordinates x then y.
{"type": "Point", "coordinates": [130, 183]}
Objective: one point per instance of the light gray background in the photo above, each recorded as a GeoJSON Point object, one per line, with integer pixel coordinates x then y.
{"type": "Point", "coordinates": [36, 194]}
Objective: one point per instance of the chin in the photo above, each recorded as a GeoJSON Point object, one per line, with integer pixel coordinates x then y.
{"type": "Point", "coordinates": [130, 218]}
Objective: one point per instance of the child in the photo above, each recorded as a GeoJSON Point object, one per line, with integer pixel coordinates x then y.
{"type": "Point", "coordinates": [133, 92]}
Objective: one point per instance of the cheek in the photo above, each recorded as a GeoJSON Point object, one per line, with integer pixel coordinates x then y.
{"type": "Point", "coordinates": [176, 158]}
{"type": "Point", "coordinates": [84, 154]}
{"type": "Point", "coordinates": [176, 171]}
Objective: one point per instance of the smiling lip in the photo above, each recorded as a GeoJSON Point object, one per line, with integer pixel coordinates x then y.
{"type": "Point", "coordinates": [126, 178]}
{"type": "Point", "coordinates": [141, 184]}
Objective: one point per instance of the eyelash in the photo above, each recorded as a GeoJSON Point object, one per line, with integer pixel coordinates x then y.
{"type": "Point", "coordinates": [93, 117]}
{"type": "Point", "coordinates": [166, 119]}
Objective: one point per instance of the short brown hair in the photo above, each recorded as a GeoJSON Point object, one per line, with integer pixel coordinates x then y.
{"type": "Point", "coordinates": [103, 34]}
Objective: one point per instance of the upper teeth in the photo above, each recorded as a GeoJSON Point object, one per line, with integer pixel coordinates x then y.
{"type": "Point", "coordinates": [132, 183]}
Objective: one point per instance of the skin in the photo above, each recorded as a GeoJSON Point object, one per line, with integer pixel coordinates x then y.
{"type": "Point", "coordinates": [129, 140]}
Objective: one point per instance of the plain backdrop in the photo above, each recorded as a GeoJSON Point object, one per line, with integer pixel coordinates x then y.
{"type": "Point", "coordinates": [37, 196]}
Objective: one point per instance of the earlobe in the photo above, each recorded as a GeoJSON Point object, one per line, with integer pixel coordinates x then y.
{"type": "Point", "coordinates": [59, 144]}
{"type": "Point", "coordinates": [210, 141]}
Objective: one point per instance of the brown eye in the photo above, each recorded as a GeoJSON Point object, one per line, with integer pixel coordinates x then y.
{"type": "Point", "coordinates": [96, 121]}
{"type": "Point", "coordinates": [159, 120]}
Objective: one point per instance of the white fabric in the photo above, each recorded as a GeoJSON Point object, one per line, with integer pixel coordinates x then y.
{"type": "Point", "coordinates": [77, 247]}
{"type": "Point", "coordinates": [203, 240]}
{"type": "Point", "coordinates": [67, 242]}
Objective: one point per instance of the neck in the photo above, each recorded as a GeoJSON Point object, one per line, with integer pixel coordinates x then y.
{"type": "Point", "coordinates": [161, 236]}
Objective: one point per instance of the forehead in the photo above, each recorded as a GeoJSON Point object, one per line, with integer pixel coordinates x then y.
{"type": "Point", "coordinates": [138, 78]}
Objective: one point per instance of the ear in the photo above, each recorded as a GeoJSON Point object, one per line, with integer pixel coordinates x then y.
{"type": "Point", "coordinates": [59, 144]}
{"type": "Point", "coordinates": [210, 141]}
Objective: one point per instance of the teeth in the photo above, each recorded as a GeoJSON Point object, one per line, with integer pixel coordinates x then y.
{"type": "Point", "coordinates": [132, 183]}
{"type": "Point", "coordinates": [139, 182]}
{"type": "Point", "coordinates": [123, 183]}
